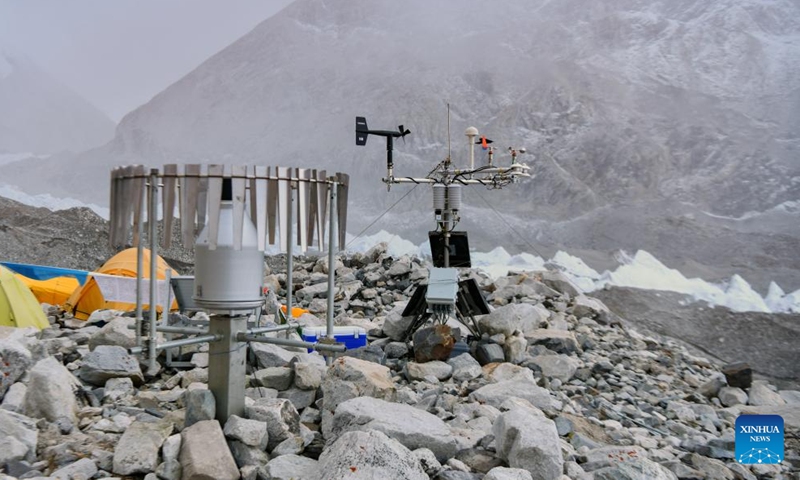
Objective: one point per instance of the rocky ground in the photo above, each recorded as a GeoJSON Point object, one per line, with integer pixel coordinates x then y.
{"type": "Point", "coordinates": [558, 387]}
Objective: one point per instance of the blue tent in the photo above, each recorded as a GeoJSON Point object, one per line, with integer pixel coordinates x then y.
{"type": "Point", "coordinates": [39, 272]}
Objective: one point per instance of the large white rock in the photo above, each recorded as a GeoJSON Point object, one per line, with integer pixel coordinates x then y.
{"type": "Point", "coordinates": [291, 467]}
{"type": "Point", "coordinates": [137, 450]}
{"type": "Point", "coordinates": [50, 391]}
{"type": "Point", "coordinates": [12, 450]}
{"type": "Point", "coordinates": [281, 418]}
{"type": "Point", "coordinates": [350, 377]}
{"type": "Point", "coordinates": [15, 360]}
{"type": "Point", "coordinates": [204, 453]}
{"type": "Point", "coordinates": [515, 317]}
{"type": "Point", "coordinates": [761, 395]}
{"type": "Point", "coordinates": [368, 456]}
{"type": "Point", "coordinates": [495, 394]}
{"type": "Point", "coordinates": [413, 427]}
{"type": "Point", "coordinates": [15, 397]}
{"type": "Point", "coordinates": [529, 440]}
{"type": "Point", "coordinates": [587, 306]}
{"type": "Point", "coordinates": [498, 372]}
{"type": "Point", "coordinates": [562, 367]}
{"type": "Point", "coordinates": [21, 429]}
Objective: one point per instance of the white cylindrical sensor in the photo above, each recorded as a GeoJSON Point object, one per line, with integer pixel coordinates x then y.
{"type": "Point", "coordinates": [438, 196]}
{"type": "Point", "coordinates": [454, 196]}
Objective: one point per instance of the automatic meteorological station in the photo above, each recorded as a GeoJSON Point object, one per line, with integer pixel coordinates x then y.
{"type": "Point", "coordinates": [444, 295]}
{"type": "Point", "coordinates": [236, 212]}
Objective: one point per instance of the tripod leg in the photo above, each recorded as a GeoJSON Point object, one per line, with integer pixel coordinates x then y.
{"type": "Point", "coordinates": [418, 322]}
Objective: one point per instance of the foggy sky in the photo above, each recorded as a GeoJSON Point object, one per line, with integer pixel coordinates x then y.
{"type": "Point", "coordinates": [119, 54]}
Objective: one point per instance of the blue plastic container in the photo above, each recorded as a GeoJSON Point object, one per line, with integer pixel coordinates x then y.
{"type": "Point", "coordinates": [352, 337]}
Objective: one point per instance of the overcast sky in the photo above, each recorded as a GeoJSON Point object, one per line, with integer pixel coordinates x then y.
{"type": "Point", "coordinates": [118, 54]}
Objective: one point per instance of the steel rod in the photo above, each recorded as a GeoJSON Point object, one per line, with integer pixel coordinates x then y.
{"type": "Point", "coordinates": [183, 330]}
{"type": "Point", "coordinates": [152, 218]}
{"type": "Point", "coordinates": [180, 343]}
{"type": "Point", "coordinates": [289, 255]}
{"type": "Point", "coordinates": [279, 328]}
{"type": "Point", "coordinates": [332, 234]}
{"type": "Point", "coordinates": [140, 271]}
{"type": "Point", "coordinates": [243, 337]}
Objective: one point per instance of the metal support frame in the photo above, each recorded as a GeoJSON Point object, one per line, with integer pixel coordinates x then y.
{"type": "Point", "coordinates": [227, 334]}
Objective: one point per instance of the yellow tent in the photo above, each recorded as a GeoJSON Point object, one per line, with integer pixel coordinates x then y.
{"type": "Point", "coordinates": [54, 291]}
{"type": "Point", "coordinates": [89, 298]}
{"type": "Point", "coordinates": [18, 306]}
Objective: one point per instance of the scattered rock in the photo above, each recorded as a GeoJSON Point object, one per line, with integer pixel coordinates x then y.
{"type": "Point", "coordinates": [291, 467]}
{"type": "Point", "coordinates": [410, 426]}
{"type": "Point", "coordinates": [516, 317]}
{"type": "Point", "coordinates": [280, 416]}
{"type": "Point", "coordinates": [204, 453]}
{"type": "Point", "coordinates": [137, 450]}
{"type": "Point", "coordinates": [738, 375]}
{"type": "Point", "coordinates": [418, 371]}
{"type": "Point", "coordinates": [50, 391]}
{"type": "Point", "coordinates": [116, 332]}
{"type": "Point", "coordinates": [200, 406]}
{"type": "Point", "coordinates": [109, 362]}
{"type": "Point", "coordinates": [760, 394]}
{"type": "Point", "coordinates": [529, 440]}
{"type": "Point", "coordinates": [495, 394]}
{"type": "Point", "coordinates": [433, 343]}
{"type": "Point", "coordinates": [15, 360]}
{"type": "Point", "coordinates": [465, 367]}
{"type": "Point", "coordinates": [487, 353]}
{"type": "Point", "coordinates": [368, 455]}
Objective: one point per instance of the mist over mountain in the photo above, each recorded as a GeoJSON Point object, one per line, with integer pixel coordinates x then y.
{"type": "Point", "coordinates": [683, 104]}
{"type": "Point", "coordinates": [40, 115]}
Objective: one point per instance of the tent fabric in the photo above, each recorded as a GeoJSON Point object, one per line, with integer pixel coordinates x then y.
{"type": "Point", "coordinates": [89, 298]}
{"type": "Point", "coordinates": [18, 306]}
{"type": "Point", "coordinates": [41, 272]}
{"type": "Point", "coordinates": [54, 291]}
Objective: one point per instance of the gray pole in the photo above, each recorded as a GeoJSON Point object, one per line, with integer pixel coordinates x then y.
{"type": "Point", "coordinates": [332, 235]}
{"type": "Point", "coordinates": [140, 272]}
{"type": "Point", "coordinates": [226, 365]}
{"type": "Point", "coordinates": [289, 254]}
{"type": "Point", "coordinates": [152, 217]}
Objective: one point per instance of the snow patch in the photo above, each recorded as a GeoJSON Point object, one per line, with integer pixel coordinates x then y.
{"type": "Point", "coordinates": [48, 201]}
{"type": "Point", "coordinates": [641, 270]}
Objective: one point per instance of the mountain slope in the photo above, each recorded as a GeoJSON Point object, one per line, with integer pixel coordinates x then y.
{"type": "Point", "coordinates": [42, 116]}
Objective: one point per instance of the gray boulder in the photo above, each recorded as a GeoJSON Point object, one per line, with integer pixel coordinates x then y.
{"type": "Point", "coordinates": [15, 360]}
{"type": "Point", "coordinates": [637, 469]}
{"type": "Point", "coordinates": [367, 456]}
{"type": "Point", "coordinates": [503, 473]}
{"type": "Point", "coordinates": [200, 405]}
{"type": "Point", "coordinates": [83, 468]}
{"type": "Point", "coordinates": [291, 467]}
{"type": "Point", "coordinates": [204, 453]}
{"type": "Point", "coordinates": [465, 367]}
{"type": "Point", "coordinates": [50, 391]}
{"type": "Point", "coordinates": [395, 326]}
{"type": "Point", "coordinates": [559, 341]}
{"type": "Point", "coordinates": [249, 432]}
{"type": "Point", "coordinates": [108, 361]}
{"type": "Point", "coordinates": [281, 418]}
{"type": "Point", "coordinates": [269, 355]}
{"type": "Point", "coordinates": [558, 282]}
{"type": "Point", "coordinates": [529, 440]}
{"type": "Point", "coordinates": [350, 378]}
{"type": "Point", "coordinates": [115, 332]}
{"type": "Point", "coordinates": [730, 396]}
{"type": "Point", "coordinates": [438, 369]}
{"type": "Point", "coordinates": [561, 367]}
{"type": "Point", "coordinates": [22, 430]}
{"type": "Point", "coordinates": [308, 376]}
{"type": "Point", "coordinates": [279, 378]}
{"type": "Point", "coordinates": [15, 397]}
{"type": "Point", "coordinates": [515, 317]}
{"type": "Point", "coordinates": [413, 427]}
{"type": "Point", "coordinates": [585, 306]}
{"type": "Point", "coordinates": [495, 394]}
{"type": "Point", "coordinates": [761, 395]}
{"type": "Point", "coordinates": [137, 450]}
